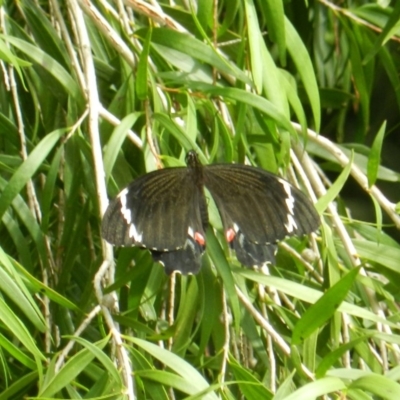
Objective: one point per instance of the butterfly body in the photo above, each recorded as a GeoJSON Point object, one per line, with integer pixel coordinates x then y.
{"type": "Point", "coordinates": [165, 211]}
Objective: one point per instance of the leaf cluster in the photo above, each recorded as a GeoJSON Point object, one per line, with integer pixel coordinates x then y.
{"type": "Point", "coordinates": [96, 93]}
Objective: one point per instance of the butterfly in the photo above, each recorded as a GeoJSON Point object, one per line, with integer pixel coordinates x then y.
{"type": "Point", "coordinates": [165, 211]}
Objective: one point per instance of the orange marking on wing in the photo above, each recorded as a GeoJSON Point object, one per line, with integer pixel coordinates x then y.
{"type": "Point", "coordinates": [230, 235]}
{"type": "Point", "coordinates": [199, 238]}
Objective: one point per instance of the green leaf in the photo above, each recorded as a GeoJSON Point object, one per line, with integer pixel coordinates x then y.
{"type": "Point", "coordinates": [14, 287]}
{"type": "Point", "coordinates": [318, 388]}
{"type": "Point", "coordinates": [28, 168]}
{"type": "Point", "coordinates": [336, 354]}
{"type": "Point", "coordinates": [194, 48]}
{"type": "Point", "coordinates": [14, 351]}
{"type": "Point", "coordinates": [385, 255]}
{"type": "Point", "coordinates": [72, 368]}
{"type": "Point", "coordinates": [249, 385]}
{"type": "Point", "coordinates": [320, 312]}
{"type": "Point", "coordinates": [224, 270]}
{"type": "Point", "coordinates": [177, 364]}
{"type": "Point", "coordinates": [307, 294]}
{"type": "Point", "coordinates": [48, 194]}
{"type": "Point", "coordinates": [275, 17]}
{"type": "Point", "coordinates": [184, 321]}
{"type": "Point", "coordinates": [335, 188]}
{"type": "Point", "coordinates": [19, 385]}
{"type": "Point", "coordinates": [378, 215]}
{"type": "Point", "coordinates": [97, 351]}
{"type": "Point", "coordinates": [389, 30]}
{"type": "Point", "coordinates": [374, 159]}
{"type": "Point", "coordinates": [186, 141]}
{"type": "Point", "coordinates": [305, 69]}
{"type": "Point", "coordinates": [116, 140]}
{"type": "Point", "coordinates": [251, 99]}
{"type": "Point", "coordinates": [360, 160]}
{"type": "Point", "coordinates": [272, 81]}
{"type": "Point", "coordinates": [19, 330]}
{"type": "Point", "coordinates": [9, 57]}
{"type": "Point", "coordinates": [169, 379]}
{"type": "Point", "coordinates": [254, 38]}
{"type": "Point", "coordinates": [49, 64]}
{"type": "Point", "coordinates": [390, 65]}
{"type": "Point", "coordinates": [359, 74]}
{"type": "Point", "coordinates": [379, 385]}
{"type": "Point", "coordinates": [141, 73]}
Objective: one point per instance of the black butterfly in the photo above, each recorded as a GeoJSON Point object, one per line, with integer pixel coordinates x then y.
{"type": "Point", "coordinates": [165, 211]}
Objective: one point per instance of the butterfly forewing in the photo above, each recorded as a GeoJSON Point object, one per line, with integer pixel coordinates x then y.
{"type": "Point", "coordinates": [154, 212]}
{"type": "Point", "coordinates": [262, 206]}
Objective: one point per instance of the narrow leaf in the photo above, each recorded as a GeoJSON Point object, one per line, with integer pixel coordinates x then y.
{"type": "Point", "coordinates": [28, 168]}
{"type": "Point", "coordinates": [38, 56]}
{"type": "Point", "coordinates": [318, 388]}
{"type": "Point", "coordinates": [141, 74]}
{"type": "Point", "coordinates": [389, 30]}
{"type": "Point", "coordinates": [335, 189]}
{"type": "Point", "coordinates": [177, 364]}
{"type": "Point", "coordinates": [251, 99]}
{"type": "Point", "coordinates": [379, 385]}
{"type": "Point", "coordinates": [333, 356]}
{"type": "Point", "coordinates": [324, 308]}
{"type": "Point", "coordinates": [116, 140]}
{"type": "Point", "coordinates": [254, 38]}
{"type": "Point", "coordinates": [301, 58]}
{"type": "Point", "coordinates": [275, 15]}
{"type": "Point", "coordinates": [374, 158]}
{"type": "Point", "coordinates": [385, 255]}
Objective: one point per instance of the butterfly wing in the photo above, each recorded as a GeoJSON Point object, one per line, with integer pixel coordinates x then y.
{"type": "Point", "coordinates": [258, 209]}
{"type": "Point", "coordinates": [186, 260]}
{"type": "Point", "coordinates": [250, 253]}
{"type": "Point", "coordinates": [163, 211]}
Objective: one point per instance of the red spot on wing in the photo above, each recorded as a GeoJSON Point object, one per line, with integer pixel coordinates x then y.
{"type": "Point", "coordinates": [230, 235]}
{"type": "Point", "coordinates": [199, 238]}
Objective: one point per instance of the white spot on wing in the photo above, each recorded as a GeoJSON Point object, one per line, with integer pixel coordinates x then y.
{"type": "Point", "coordinates": [126, 212]}
{"type": "Point", "coordinates": [133, 233]}
{"type": "Point", "coordinates": [290, 225]}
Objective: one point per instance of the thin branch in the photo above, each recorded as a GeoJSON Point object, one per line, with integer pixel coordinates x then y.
{"type": "Point", "coordinates": [355, 18]}
{"type": "Point", "coordinates": [108, 31]}
{"type": "Point", "coordinates": [112, 119]}
{"type": "Point", "coordinates": [270, 347]}
{"type": "Point", "coordinates": [225, 348]}
{"type": "Point", "coordinates": [154, 13]}
{"type": "Point", "coordinates": [107, 269]}
{"type": "Point", "coordinates": [85, 323]}
{"type": "Point", "coordinates": [269, 328]}
{"type": "Point", "coordinates": [356, 172]}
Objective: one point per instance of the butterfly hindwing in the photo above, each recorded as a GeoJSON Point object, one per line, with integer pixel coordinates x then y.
{"type": "Point", "coordinates": [186, 260]}
{"type": "Point", "coordinates": [249, 253]}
